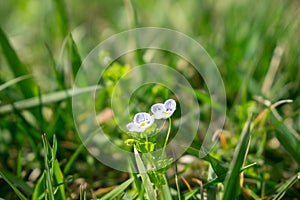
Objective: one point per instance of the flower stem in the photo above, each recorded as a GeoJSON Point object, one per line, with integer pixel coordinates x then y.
{"type": "Point", "coordinates": [168, 134]}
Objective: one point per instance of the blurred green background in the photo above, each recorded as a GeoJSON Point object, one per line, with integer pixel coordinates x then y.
{"type": "Point", "coordinates": [255, 45]}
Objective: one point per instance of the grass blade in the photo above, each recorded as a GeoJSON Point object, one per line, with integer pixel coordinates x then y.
{"type": "Point", "coordinates": [217, 165]}
{"type": "Point", "coordinates": [118, 190]}
{"type": "Point", "coordinates": [282, 190]}
{"type": "Point", "coordinates": [145, 178]}
{"type": "Point", "coordinates": [166, 191]}
{"type": "Point", "coordinates": [74, 56]}
{"type": "Point", "coordinates": [287, 138]}
{"type": "Point", "coordinates": [62, 17]}
{"type": "Point", "coordinates": [17, 67]}
{"type": "Point", "coordinates": [232, 178]}
{"type": "Point", "coordinates": [53, 176]}
{"type": "Point", "coordinates": [39, 190]}
{"type": "Point", "coordinates": [48, 177]}
{"type": "Point", "coordinates": [11, 182]}
{"type": "Point", "coordinates": [45, 99]}
{"type": "Point", "coordinates": [14, 81]}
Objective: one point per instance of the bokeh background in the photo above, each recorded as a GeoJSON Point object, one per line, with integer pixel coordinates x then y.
{"type": "Point", "coordinates": [255, 45]}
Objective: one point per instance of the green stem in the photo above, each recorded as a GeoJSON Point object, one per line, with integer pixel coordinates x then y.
{"type": "Point", "coordinates": [167, 138]}
{"type": "Point", "coordinates": [168, 134]}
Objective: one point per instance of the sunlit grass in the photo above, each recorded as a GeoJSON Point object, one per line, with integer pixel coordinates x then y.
{"type": "Point", "coordinates": [255, 46]}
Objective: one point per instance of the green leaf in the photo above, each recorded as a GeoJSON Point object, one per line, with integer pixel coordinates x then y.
{"type": "Point", "coordinates": [145, 147]}
{"type": "Point", "coordinates": [39, 189]}
{"type": "Point", "coordinates": [231, 184]}
{"type": "Point", "coordinates": [288, 139]}
{"type": "Point", "coordinates": [54, 176]}
{"type": "Point", "coordinates": [211, 190]}
{"type": "Point", "coordinates": [59, 76]}
{"type": "Point", "coordinates": [48, 175]}
{"type": "Point", "coordinates": [145, 178]}
{"type": "Point", "coordinates": [12, 180]}
{"type": "Point", "coordinates": [58, 181]}
{"type": "Point", "coordinates": [74, 56]}
{"type": "Point", "coordinates": [62, 17]}
{"type": "Point", "coordinates": [190, 194]}
{"type": "Point", "coordinates": [72, 159]}
{"type": "Point", "coordinates": [118, 190]}
{"type": "Point", "coordinates": [16, 66]}
{"type": "Point", "coordinates": [77, 152]}
{"type": "Point", "coordinates": [217, 165]}
{"type": "Point", "coordinates": [166, 190]}
{"type": "Point", "coordinates": [221, 177]}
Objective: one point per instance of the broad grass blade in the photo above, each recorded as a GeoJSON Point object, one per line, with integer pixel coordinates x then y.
{"type": "Point", "coordinates": [12, 185]}
{"type": "Point", "coordinates": [145, 178]}
{"type": "Point", "coordinates": [231, 184]}
{"type": "Point", "coordinates": [287, 138]}
{"type": "Point", "coordinates": [74, 56]}
{"type": "Point", "coordinates": [45, 99]}
{"type": "Point", "coordinates": [16, 66]}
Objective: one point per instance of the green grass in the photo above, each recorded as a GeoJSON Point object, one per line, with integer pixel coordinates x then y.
{"type": "Point", "coordinates": [255, 46]}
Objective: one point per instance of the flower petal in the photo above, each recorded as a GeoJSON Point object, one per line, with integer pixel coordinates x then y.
{"type": "Point", "coordinates": [158, 110]}
{"type": "Point", "coordinates": [143, 121]}
{"type": "Point", "coordinates": [170, 105]}
{"type": "Point", "coordinates": [132, 127]}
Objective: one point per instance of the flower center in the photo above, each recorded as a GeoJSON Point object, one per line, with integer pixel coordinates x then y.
{"type": "Point", "coordinates": [142, 124]}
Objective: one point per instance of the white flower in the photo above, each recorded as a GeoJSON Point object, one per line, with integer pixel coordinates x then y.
{"type": "Point", "coordinates": [165, 110]}
{"type": "Point", "coordinates": [141, 122]}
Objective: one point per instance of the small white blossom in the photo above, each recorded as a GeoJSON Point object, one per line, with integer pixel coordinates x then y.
{"type": "Point", "coordinates": [165, 110]}
{"type": "Point", "coordinates": [141, 122]}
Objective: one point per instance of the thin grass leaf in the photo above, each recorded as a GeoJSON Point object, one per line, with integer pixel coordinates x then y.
{"type": "Point", "coordinates": [145, 178]}
{"type": "Point", "coordinates": [176, 180]}
{"type": "Point", "coordinates": [17, 181]}
{"type": "Point", "coordinates": [190, 194]}
{"type": "Point", "coordinates": [11, 182]}
{"type": "Point", "coordinates": [217, 165]}
{"type": "Point", "coordinates": [58, 181]}
{"type": "Point", "coordinates": [59, 75]}
{"type": "Point", "coordinates": [74, 56]}
{"type": "Point", "coordinates": [77, 152]}
{"type": "Point", "coordinates": [39, 189]}
{"type": "Point", "coordinates": [284, 188]}
{"type": "Point", "coordinates": [136, 179]}
{"type": "Point", "coordinates": [212, 190]}
{"type": "Point", "coordinates": [54, 177]}
{"type": "Point", "coordinates": [62, 17]}
{"type": "Point", "coordinates": [73, 158]}
{"type": "Point", "coordinates": [16, 66]}
{"type": "Point", "coordinates": [19, 163]}
{"type": "Point", "coordinates": [221, 178]}
{"type": "Point", "coordinates": [13, 81]}
{"type": "Point", "coordinates": [48, 178]}
{"type": "Point", "coordinates": [82, 193]}
{"type": "Point", "coordinates": [118, 190]}
{"type": "Point", "coordinates": [231, 184]}
{"type": "Point", "coordinates": [45, 99]}
{"type": "Point", "coordinates": [166, 191]}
